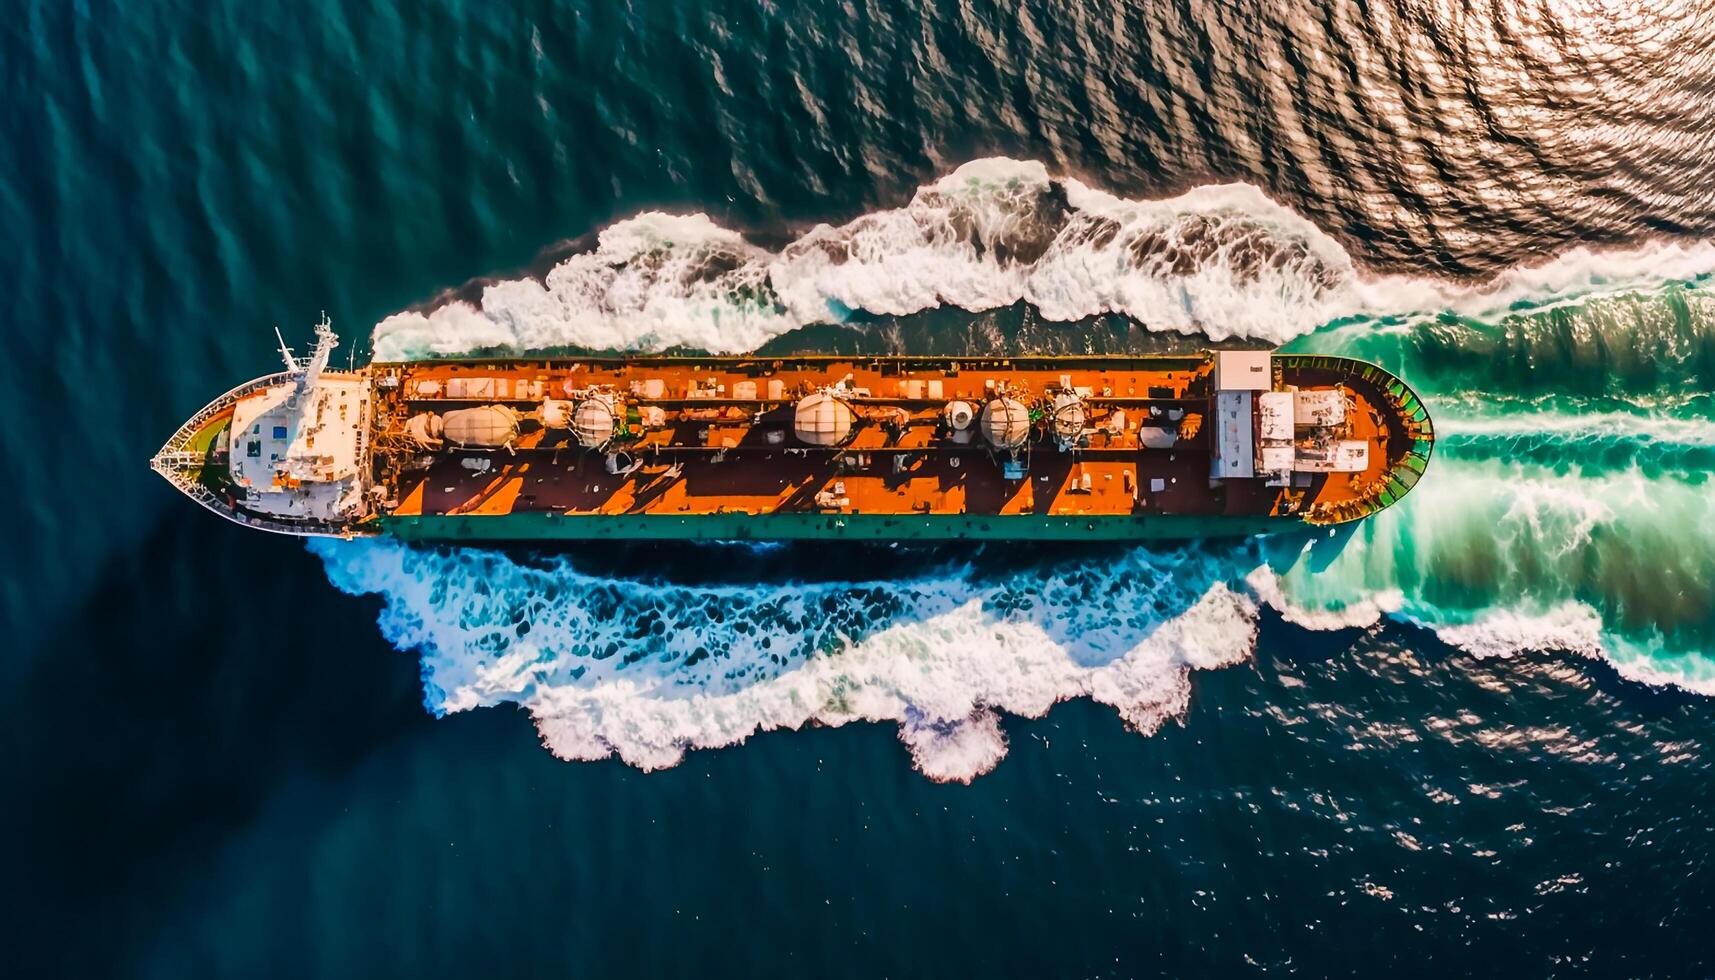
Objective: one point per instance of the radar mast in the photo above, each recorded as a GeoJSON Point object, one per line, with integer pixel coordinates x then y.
{"type": "Point", "coordinates": [306, 371]}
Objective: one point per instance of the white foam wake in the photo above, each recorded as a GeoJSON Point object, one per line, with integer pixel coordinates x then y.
{"type": "Point", "coordinates": [1496, 558]}
{"type": "Point", "coordinates": [648, 670]}
{"type": "Point", "coordinates": [1582, 427]}
{"type": "Point", "coordinates": [1222, 260]}
{"type": "Point", "coordinates": [1495, 554]}
{"type": "Point", "coordinates": [1575, 277]}
{"type": "Point", "coordinates": [1501, 558]}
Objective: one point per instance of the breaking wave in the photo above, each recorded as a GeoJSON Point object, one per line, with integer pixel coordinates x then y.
{"type": "Point", "coordinates": [649, 669]}
{"type": "Point", "coordinates": [1568, 509]}
{"type": "Point", "coordinates": [1220, 261]}
{"type": "Point", "coordinates": [1500, 558]}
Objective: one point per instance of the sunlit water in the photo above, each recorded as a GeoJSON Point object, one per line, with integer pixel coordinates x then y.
{"type": "Point", "coordinates": [1459, 731]}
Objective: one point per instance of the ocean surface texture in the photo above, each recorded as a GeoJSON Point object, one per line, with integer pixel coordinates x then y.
{"type": "Point", "coordinates": [1474, 735]}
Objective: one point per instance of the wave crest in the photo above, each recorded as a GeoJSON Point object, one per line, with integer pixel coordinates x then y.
{"type": "Point", "coordinates": [648, 670]}
{"type": "Point", "coordinates": [1221, 261]}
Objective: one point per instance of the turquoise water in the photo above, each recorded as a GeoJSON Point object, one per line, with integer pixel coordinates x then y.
{"type": "Point", "coordinates": [1475, 729]}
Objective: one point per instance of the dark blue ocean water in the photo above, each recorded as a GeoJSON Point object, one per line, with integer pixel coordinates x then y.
{"type": "Point", "coordinates": [1473, 737]}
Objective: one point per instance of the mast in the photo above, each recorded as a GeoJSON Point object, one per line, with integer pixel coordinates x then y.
{"type": "Point", "coordinates": [307, 371]}
{"type": "Point", "coordinates": [317, 362]}
{"type": "Point", "coordinates": [286, 352]}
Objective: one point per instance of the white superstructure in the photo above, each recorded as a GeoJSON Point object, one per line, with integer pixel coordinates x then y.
{"type": "Point", "coordinates": [299, 449]}
{"type": "Point", "coordinates": [1278, 433]}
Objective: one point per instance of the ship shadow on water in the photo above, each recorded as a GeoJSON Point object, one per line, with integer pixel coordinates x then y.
{"type": "Point", "coordinates": [1015, 330]}
{"type": "Point", "coordinates": [764, 563]}
{"type": "Point", "coordinates": [1018, 329]}
{"type": "Point", "coordinates": [165, 712]}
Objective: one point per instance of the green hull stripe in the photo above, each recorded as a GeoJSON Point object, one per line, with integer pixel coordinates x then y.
{"type": "Point", "coordinates": [781, 527]}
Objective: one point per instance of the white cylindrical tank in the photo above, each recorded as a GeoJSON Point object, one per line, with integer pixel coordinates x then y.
{"type": "Point", "coordinates": [822, 420]}
{"type": "Point", "coordinates": [485, 426]}
{"type": "Point", "coordinates": [1006, 423]}
{"type": "Point", "coordinates": [1067, 418]}
{"type": "Point", "coordinates": [960, 415]}
{"type": "Point", "coordinates": [593, 421]}
{"type": "Point", "coordinates": [425, 430]}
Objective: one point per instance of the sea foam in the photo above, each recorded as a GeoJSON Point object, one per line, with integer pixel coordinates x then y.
{"type": "Point", "coordinates": [1499, 557]}
{"type": "Point", "coordinates": [1221, 261]}
{"type": "Point", "coordinates": [1519, 539]}
{"type": "Point", "coordinates": [1495, 559]}
{"type": "Point", "coordinates": [649, 669]}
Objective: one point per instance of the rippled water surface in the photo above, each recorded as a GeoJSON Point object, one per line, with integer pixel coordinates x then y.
{"type": "Point", "coordinates": [1475, 730]}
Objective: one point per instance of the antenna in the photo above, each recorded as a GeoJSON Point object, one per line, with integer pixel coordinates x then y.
{"type": "Point", "coordinates": [309, 370]}
{"type": "Point", "coordinates": [286, 352]}
{"type": "Point", "coordinates": [318, 359]}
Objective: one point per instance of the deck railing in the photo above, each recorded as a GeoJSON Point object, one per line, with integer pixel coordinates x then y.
{"type": "Point", "coordinates": [213, 503]}
{"type": "Point", "coordinates": [186, 432]}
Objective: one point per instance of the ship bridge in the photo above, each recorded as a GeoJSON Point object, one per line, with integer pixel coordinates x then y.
{"type": "Point", "coordinates": [288, 452]}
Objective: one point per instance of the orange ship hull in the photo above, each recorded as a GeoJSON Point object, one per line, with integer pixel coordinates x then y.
{"type": "Point", "coordinates": [884, 448]}
{"type": "Point", "coordinates": [708, 450]}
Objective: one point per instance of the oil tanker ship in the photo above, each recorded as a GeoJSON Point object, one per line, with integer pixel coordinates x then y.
{"type": "Point", "coordinates": [1217, 443]}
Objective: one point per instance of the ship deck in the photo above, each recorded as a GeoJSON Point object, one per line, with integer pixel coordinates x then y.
{"type": "Point", "coordinates": [724, 454]}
